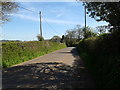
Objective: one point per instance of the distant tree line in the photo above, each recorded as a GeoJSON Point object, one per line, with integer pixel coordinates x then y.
{"type": "Point", "coordinates": [10, 41]}
{"type": "Point", "coordinates": [73, 36]}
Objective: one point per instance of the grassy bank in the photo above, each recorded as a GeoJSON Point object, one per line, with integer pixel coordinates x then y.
{"type": "Point", "coordinates": [102, 57]}
{"type": "Point", "coordinates": [18, 52]}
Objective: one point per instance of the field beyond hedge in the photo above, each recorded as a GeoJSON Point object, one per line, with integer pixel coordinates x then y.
{"type": "Point", "coordinates": [18, 52]}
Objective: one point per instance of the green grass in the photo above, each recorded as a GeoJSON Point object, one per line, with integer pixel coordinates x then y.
{"type": "Point", "coordinates": [18, 52]}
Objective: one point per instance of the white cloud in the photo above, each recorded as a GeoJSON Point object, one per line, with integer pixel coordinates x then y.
{"type": "Point", "coordinates": [59, 15]}
{"type": "Point", "coordinates": [58, 12]}
{"type": "Point", "coordinates": [26, 17]}
{"type": "Point", "coordinates": [48, 20]}
{"type": "Point", "coordinates": [60, 21]}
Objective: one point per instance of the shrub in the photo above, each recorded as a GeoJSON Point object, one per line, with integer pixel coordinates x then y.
{"type": "Point", "coordinates": [40, 38]}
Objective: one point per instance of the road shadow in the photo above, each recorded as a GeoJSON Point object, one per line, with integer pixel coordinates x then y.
{"type": "Point", "coordinates": [39, 75]}
{"type": "Point", "coordinates": [81, 73]}
{"type": "Point", "coordinates": [50, 75]}
{"type": "Point", "coordinates": [73, 52]}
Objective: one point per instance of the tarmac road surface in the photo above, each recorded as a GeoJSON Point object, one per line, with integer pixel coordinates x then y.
{"type": "Point", "coordinates": [57, 70]}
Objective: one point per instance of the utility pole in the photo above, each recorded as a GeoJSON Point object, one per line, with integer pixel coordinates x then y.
{"type": "Point", "coordinates": [85, 17]}
{"type": "Point", "coordinates": [40, 24]}
{"type": "Point", "coordinates": [85, 20]}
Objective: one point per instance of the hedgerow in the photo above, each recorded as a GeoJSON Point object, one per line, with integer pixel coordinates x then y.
{"type": "Point", "coordinates": [18, 52]}
{"type": "Point", "coordinates": [102, 57]}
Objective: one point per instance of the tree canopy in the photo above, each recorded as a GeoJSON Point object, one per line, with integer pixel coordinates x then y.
{"type": "Point", "coordinates": [40, 38]}
{"type": "Point", "coordinates": [6, 9]}
{"type": "Point", "coordinates": [105, 11]}
{"type": "Point", "coordinates": [102, 29]}
{"type": "Point", "coordinates": [74, 35]}
{"type": "Point", "coordinates": [56, 39]}
{"type": "Point", "coordinates": [89, 32]}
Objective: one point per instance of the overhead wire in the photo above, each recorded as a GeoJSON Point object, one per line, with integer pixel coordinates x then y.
{"type": "Point", "coordinates": [28, 9]}
{"type": "Point", "coordinates": [42, 18]}
{"type": "Point", "coordinates": [50, 26]}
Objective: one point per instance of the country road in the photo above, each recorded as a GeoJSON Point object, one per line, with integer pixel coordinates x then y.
{"type": "Point", "coordinates": [60, 69]}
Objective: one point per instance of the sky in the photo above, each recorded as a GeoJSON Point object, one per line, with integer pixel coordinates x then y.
{"type": "Point", "coordinates": [60, 16]}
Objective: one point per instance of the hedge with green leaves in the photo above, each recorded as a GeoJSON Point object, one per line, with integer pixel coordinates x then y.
{"type": "Point", "coordinates": [102, 57]}
{"type": "Point", "coordinates": [18, 52]}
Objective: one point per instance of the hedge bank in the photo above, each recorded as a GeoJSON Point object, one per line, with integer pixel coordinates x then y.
{"type": "Point", "coordinates": [102, 57]}
{"type": "Point", "coordinates": [18, 52]}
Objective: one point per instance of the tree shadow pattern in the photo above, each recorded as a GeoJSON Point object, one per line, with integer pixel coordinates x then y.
{"type": "Point", "coordinates": [50, 75]}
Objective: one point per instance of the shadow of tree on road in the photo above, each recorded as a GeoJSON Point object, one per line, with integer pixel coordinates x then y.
{"type": "Point", "coordinates": [38, 75]}
{"type": "Point", "coordinates": [81, 73]}
{"type": "Point", "coordinates": [50, 75]}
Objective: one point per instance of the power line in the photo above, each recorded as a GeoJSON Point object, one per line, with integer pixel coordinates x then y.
{"type": "Point", "coordinates": [50, 26]}
{"type": "Point", "coordinates": [42, 17]}
{"type": "Point", "coordinates": [28, 9]}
